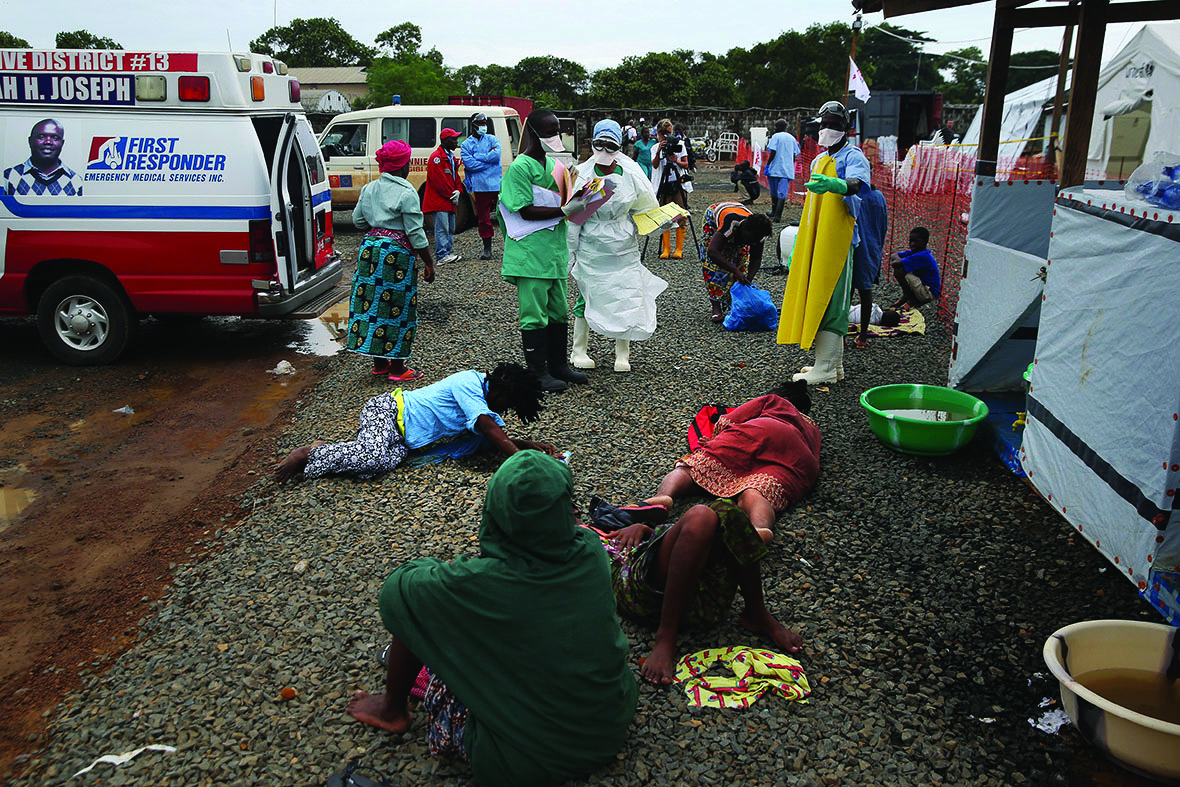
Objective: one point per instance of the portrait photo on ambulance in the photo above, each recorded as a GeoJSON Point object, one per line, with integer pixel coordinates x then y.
{"type": "Point", "coordinates": [155, 185]}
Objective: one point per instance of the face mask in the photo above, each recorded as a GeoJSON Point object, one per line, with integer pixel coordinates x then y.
{"type": "Point", "coordinates": [604, 157]}
{"type": "Point", "coordinates": [553, 144]}
{"type": "Point", "coordinates": [829, 137]}
{"type": "Point", "coordinates": [481, 130]}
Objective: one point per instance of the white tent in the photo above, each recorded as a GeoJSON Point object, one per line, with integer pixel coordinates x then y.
{"type": "Point", "coordinates": [1022, 111]}
{"type": "Point", "coordinates": [1138, 96]}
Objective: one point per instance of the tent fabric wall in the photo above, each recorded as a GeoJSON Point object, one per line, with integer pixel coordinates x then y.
{"type": "Point", "coordinates": [1102, 443]}
{"type": "Point", "coordinates": [1149, 61]}
{"type": "Point", "coordinates": [995, 326]}
{"type": "Point", "coordinates": [1022, 110]}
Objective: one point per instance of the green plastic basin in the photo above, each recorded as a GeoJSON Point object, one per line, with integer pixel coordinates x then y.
{"type": "Point", "coordinates": [922, 419]}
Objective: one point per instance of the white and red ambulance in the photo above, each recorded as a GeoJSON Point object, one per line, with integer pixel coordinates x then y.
{"type": "Point", "coordinates": [156, 183]}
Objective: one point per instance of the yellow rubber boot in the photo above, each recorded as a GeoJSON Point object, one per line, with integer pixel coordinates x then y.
{"type": "Point", "coordinates": [665, 245]}
{"type": "Point", "coordinates": [679, 253]}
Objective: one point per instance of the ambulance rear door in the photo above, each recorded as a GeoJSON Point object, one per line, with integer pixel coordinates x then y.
{"type": "Point", "coordinates": [293, 223]}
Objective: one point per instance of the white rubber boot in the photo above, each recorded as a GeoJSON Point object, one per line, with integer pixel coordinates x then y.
{"type": "Point", "coordinates": [622, 355]}
{"type": "Point", "coordinates": [827, 359]}
{"type": "Point", "coordinates": [839, 364]}
{"type": "Point", "coordinates": [578, 358]}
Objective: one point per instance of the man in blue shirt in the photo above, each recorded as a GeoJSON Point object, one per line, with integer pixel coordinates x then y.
{"type": "Point", "coordinates": [392, 424]}
{"type": "Point", "coordinates": [917, 272]}
{"type": "Point", "coordinates": [482, 174]}
{"type": "Point", "coordinates": [780, 167]}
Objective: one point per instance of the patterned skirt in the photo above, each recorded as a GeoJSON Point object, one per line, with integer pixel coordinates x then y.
{"type": "Point", "coordinates": [718, 281]}
{"type": "Point", "coordinates": [383, 312]}
{"type": "Point", "coordinates": [446, 719]}
{"type": "Point", "coordinates": [718, 583]}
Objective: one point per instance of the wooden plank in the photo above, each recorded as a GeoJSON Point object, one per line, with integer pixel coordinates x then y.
{"type": "Point", "coordinates": [1087, 63]}
{"type": "Point", "coordinates": [997, 83]}
{"type": "Point", "coordinates": [1139, 11]}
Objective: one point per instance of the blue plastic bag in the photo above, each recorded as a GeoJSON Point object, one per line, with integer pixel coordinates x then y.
{"type": "Point", "coordinates": [751, 309]}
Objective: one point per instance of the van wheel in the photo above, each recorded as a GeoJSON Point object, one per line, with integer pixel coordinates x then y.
{"type": "Point", "coordinates": [465, 213]}
{"type": "Point", "coordinates": [84, 321]}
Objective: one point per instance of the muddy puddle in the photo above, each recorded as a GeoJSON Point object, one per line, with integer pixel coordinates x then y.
{"type": "Point", "coordinates": [324, 336]}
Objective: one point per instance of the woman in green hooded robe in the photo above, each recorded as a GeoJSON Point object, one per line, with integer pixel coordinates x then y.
{"type": "Point", "coordinates": [530, 678]}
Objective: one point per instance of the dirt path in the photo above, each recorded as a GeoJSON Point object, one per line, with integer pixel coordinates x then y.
{"type": "Point", "coordinates": [95, 505]}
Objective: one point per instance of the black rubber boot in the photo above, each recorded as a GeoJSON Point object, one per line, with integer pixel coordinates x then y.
{"type": "Point", "coordinates": [487, 249]}
{"type": "Point", "coordinates": [536, 348]}
{"type": "Point", "coordinates": [559, 356]}
{"type": "Point", "coordinates": [773, 208]}
{"type": "Point", "coordinates": [778, 209]}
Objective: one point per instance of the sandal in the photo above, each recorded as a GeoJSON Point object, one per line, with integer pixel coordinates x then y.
{"type": "Point", "coordinates": [717, 318]}
{"type": "Point", "coordinates": [349, 778]}
{"type": "Point", "coordinates": [406, 376]}
{"type": "Point", "coordinates": [860, 343]}
{"type": "Point", "coordinates": [380, 368]}
{"type": "Point", "coordinates": [647, 514]}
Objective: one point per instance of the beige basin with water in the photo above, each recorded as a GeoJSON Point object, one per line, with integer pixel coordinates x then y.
{"type": "Point", "coordinates": [1141, 743]}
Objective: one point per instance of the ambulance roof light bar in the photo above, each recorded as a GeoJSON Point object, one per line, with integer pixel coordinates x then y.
{"type": "Point", "coordinates": [242, 62]}
{"type": "Point", "coordinates": [193, 88]}
{"type": "Point", "coordinates": [281, 66]}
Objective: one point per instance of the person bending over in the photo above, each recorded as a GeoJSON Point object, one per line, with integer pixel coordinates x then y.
{"type": "Point", "coordinates": [529, 679]}
{"type": "Point", "coordinates": [764, 455]}
{"type": "Point", "coordinates": [733, 238]}
{"type": "Point", "coordinates": [744, 175]}
{"type": "Point", "coordinates": [393, 423]}
{"type": "Point", "coordinates": [688, 574]}
{"type": "Point", "coordinates": [916, 272]}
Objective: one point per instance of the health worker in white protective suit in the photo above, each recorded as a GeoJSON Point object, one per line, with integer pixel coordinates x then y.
{"type": "Point", "coordinates": [616, 294]}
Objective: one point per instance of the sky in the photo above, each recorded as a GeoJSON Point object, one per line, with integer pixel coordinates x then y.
{"type": "Point", "coordinates": [483, 32]}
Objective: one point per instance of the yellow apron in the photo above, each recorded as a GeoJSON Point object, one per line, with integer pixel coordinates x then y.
{"type": "Point", "coordinates": [821, 251]}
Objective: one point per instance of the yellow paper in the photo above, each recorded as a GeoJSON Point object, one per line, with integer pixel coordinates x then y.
{"type": "Point", "coordinates": [658, 219]}
{"type": "Point", "coordinates": [821, 251]}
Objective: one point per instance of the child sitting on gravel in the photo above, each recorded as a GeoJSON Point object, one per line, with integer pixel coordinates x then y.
{"type": "Point", "coordinates": [394, 423]}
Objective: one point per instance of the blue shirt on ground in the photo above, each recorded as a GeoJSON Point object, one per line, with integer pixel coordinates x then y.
{"type": "Point", "coordinates": [481, 163]}
{"type": "Point", "coordinates": [446, 408]}
{"type": "Point", "coordinates": [922, 264]}
{"type": "Point", "coordinates": [785, 148]}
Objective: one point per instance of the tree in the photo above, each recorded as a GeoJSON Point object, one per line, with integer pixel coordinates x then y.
{"type": "Point", "coordinates": [657, 79]}
{"type": "Point", "coordinates": [552, 82]}
{"type": "Point", "coordinates": [81, 39]}
{"type": "Point", "coordinates": [889, 63]}
{"type": "Point", "coordinates": [1046, 59]}
{"type": "Point", "coordinates": [313, 42]}
{"type": "Point", "coordinates": [9, 41]}
{"type": "Point", "coordinates": [417, 79]}
{"type": "Point", "coordinates": [795, 69]}
{"type": "Point", "coordinates": [403, 39]}
{"type": "Point", "coordinates": [968, 76]}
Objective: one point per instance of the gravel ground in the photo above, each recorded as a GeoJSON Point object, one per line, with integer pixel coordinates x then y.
{"type": "Point", "coordinates": [924, 588]}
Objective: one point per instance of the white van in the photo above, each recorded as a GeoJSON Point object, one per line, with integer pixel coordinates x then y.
{"type": "Point", "coordinates": [141, 183]}
{"type": "Point", "coordinates": [350, 143]}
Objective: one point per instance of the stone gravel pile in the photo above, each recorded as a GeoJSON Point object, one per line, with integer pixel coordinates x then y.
{"type": "Point", "coordinates": [924, 588]}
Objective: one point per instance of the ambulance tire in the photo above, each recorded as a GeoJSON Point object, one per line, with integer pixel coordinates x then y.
{"type": "Point", "coordinates": [465, 213]}
{"type": "Point", "coordinates": [100, 328]}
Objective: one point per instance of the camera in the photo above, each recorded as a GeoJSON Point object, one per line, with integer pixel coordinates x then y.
{"type": "Point", "coordinates": [671, 145]}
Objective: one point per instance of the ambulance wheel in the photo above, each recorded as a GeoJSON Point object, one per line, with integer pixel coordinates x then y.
{"type": "Point", "coordinates": [84, 321]}
{"type": "Point", "coordinates": [712, 155]}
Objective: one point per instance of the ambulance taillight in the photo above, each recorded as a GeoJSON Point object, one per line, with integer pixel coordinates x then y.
{"type": "Point", "coordinates": [193, 88]}
{"type": "Point", "coordinates": [294, 90]}
{"type": "Point", "coordinates": [262, 245]}
{"type": "Point", "coordinates": [268, 67]}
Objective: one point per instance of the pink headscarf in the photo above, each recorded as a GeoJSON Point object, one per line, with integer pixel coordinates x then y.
{"type": "Point", "coordinates": [393, 155]}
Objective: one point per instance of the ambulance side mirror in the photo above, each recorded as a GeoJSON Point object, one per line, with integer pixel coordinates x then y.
{"type": "Point", "coordinates": [326, 152]}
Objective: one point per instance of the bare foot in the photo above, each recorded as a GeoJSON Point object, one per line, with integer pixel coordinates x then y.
{"type": "Point", "coordinates": [765, 623]}
{"type": "Point", "coordinates": [766, 535]}
{"type": "Point", "coordinates": [658, 667]}
{"type": "Point", "coordinates": [295, 462]}
{"type": "Point", "coordinates": [659, 500]}
{"type": "Point", "coordinates": [372, 709]}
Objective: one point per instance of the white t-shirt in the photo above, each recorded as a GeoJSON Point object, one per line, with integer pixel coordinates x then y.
{"type": "Point", "coordinates": [874, 316]}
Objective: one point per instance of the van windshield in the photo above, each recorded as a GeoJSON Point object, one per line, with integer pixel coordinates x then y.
{"type": "Point", "coordinates": [346, 139]}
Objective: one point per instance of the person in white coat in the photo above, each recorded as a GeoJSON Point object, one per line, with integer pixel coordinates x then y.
{"type": "Point", "coordinates": [616, 293]}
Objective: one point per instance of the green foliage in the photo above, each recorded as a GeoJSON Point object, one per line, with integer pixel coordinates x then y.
{"type": "Point", "coordinates": [1023, 77]}
{"type": "Point", "coordinates": [403, 39]}
{"type": "Point", "coordinates": [315, 42]}
{"type": "Point", "coordinates": [82, 39]}
{"type": "Point", "coordinates": [9, 41]}
{"type": "Point", "coordinates": [657, 79]}
{"type": "Point", "coordinates": [552, 82]}
{"type": "Point", "coordinates": [795, 69]}
{"type": "Point", "coordinates": [968, 80]}
{"type": "Point", "coordinates": [891, 64]}
{"type": "Point", "coordinates": [417, 79]}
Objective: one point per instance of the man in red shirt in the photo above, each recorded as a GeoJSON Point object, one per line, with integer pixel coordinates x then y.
{"type": "Point", "coordinates": [441, 194]}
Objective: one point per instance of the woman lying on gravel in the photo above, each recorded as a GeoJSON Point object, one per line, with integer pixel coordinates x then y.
{"type": "Point", "coordinates": [529, 677]}
{"type": "Point", "coordinates": [394, 423]}
{"type": "Point", "coordinates": [689, 573]}
{"type": "Point", "coordinates": [764, 455]}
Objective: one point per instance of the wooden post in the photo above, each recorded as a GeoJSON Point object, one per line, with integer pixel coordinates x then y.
{"type": "Point", "coordinates": [1087, 63]}
{"type": "Point", "coordinates": [1059, 99]}
{"type": "Point", "coordinates": [997, 83]}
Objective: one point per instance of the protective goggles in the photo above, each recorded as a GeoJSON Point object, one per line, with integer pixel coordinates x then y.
{"type": "Point", "coordinates": [602, 143]}
{"type": "Point", "coordinates": [833, 108]}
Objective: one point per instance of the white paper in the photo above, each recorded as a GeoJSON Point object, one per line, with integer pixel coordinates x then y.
{"type": "Point", "coordinates": [518, 228]}
{"type": "Point", "coordinates": [119, 759]}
